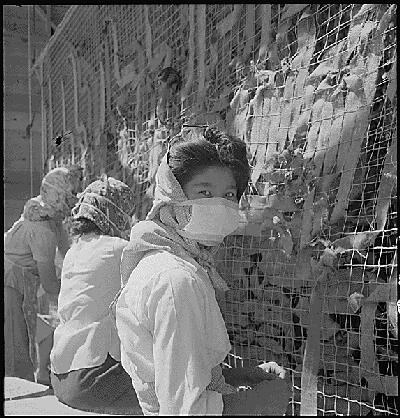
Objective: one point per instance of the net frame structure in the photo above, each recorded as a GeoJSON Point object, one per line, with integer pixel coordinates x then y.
{"type": "Point", "coordinates": [311, 89]}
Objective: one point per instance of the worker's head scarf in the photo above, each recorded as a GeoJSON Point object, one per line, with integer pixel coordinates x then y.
{"type": "Point", "coordinates": [57, 195]}
{"type": "Point", "coordinates": [109, 204]}
{"type": "Point", "coordinates": [158, 232]}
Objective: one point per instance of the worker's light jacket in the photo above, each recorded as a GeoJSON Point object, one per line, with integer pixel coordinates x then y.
{"type": "Point", "coordinates": [172, 336]}
{"type": "Point", "coordinates": [89, 282]}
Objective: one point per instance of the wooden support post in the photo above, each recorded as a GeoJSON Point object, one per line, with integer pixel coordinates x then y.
{"type": "Point", "coordinates": [30, 101]}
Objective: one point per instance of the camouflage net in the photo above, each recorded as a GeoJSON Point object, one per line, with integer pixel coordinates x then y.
{"type": "Point", "coordinates": [312, 90]}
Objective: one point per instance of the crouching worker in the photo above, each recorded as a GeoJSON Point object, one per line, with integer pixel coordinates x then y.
{"type": "Point", "coordinates": [86, 372]}
{"type": "Point", "coordinates": [173, 336]}
{"type": "Point", "coordinates": [29, 261]}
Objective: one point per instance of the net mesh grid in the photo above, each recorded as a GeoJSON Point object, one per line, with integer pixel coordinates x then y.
{"type": "Point", "coordinates": [270, 273]}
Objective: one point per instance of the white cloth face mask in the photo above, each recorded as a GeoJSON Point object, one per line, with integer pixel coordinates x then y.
{"type": "Point", "coordinates": [212, 219]}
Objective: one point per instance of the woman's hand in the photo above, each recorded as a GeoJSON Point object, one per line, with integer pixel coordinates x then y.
{"type": "Point", "coordinates": [250, 376]}
{"type": "Point", "coordinates": [273, 368]}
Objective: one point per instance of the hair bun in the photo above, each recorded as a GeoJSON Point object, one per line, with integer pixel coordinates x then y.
{"type": "Point", "coordinates": [212, 135]}
{"type": "Point", "coordinates": [218, 138]}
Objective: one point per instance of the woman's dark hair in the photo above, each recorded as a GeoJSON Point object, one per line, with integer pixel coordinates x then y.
{"type": "Point", "coordinates": [82, 226]}
{"type": "Point", "coordinates": [215, 148]}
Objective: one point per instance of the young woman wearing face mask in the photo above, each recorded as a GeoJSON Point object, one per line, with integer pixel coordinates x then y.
{"type": "Point", "coordinates": [85, 358]}
{"type": "Point", "coordinates": [173, 337]}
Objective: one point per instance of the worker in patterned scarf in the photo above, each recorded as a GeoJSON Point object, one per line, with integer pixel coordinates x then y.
{"type": "Point", "coordinates": [29, 263]}
{"type": "Point", "coordinates": [85, 359]}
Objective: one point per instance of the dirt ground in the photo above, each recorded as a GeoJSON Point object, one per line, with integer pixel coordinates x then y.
{"type": "Point", "coordinates": [22, 397]}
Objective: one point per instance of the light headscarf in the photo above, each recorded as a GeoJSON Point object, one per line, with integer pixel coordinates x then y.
{"type": "Point", "coordinates": [57, 195]}
{"type": "Point", "coordinates": [158, 231]}
{"type": "Point", "coordinates": [108, 203]}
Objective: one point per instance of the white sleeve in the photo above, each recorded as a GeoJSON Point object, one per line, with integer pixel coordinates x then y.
{"type": "Point", "coordinates": [42, 241]}
{"type": "Point", "coordinates": [181, 360]}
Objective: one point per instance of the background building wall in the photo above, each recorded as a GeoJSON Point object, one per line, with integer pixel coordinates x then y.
{"type": "Point", "coordinates": [21, 178]}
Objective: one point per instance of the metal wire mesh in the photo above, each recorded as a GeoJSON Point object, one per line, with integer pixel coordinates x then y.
{"type": "Point", "coordinates": [312, 90]}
